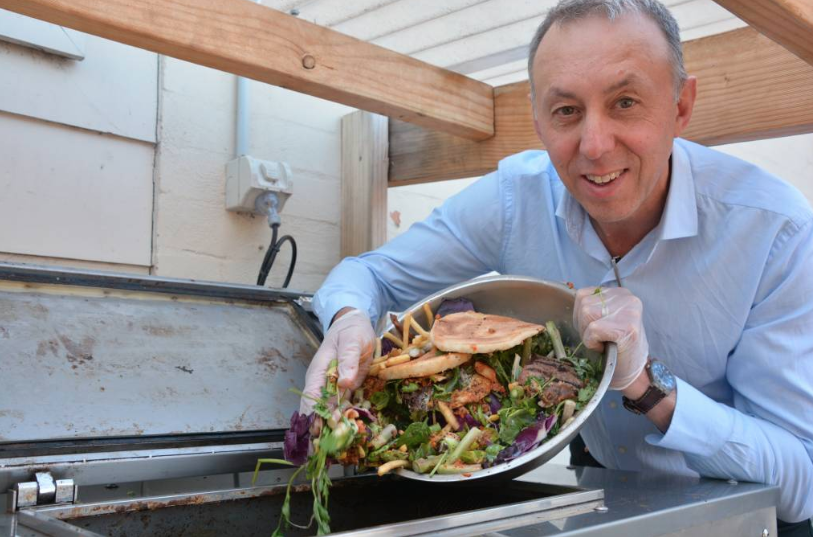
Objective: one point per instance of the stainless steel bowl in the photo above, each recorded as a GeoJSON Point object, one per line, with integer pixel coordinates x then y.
{"type": "Point", "coordinates": [531, 300]}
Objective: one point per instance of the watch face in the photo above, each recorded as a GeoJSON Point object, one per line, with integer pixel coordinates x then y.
{"type": "Point", "coordinates": [661, 377]}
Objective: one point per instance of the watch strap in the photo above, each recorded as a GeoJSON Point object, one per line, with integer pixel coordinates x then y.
{"type": "Point", "coordinates": [652, 396]}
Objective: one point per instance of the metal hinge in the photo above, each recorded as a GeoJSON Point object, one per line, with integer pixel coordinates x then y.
{"type": "Point", "coordinates": [45, 490]}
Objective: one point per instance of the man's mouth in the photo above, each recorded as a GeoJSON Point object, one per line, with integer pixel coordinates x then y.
{"type": "Point", "coordinates": [605, 178]}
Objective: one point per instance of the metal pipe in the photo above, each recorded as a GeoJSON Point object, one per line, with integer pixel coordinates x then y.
{"type": "Point", "coordinates": [241, 127]}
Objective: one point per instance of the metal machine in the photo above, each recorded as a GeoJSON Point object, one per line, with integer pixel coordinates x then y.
{"type": "Point", "coordinates": [139, 406]}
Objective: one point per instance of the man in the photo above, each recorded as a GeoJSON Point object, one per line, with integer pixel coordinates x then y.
{"type": "Point", "coordinates": [711, 250]}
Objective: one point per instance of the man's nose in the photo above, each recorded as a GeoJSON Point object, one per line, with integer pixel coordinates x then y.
{"type": "Point", "coordinates": [597, 138]}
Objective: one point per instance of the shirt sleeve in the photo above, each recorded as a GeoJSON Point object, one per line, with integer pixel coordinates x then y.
{"type": "Point", "coordinates": [460, 240]}
{"type": "Point", "coordinates": [767, 437]}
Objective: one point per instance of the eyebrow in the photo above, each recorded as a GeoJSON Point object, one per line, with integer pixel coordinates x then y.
{"type": "Point", "coordinates": [563, 94]}
{"type": "Point", "coordinates": [626, 81]}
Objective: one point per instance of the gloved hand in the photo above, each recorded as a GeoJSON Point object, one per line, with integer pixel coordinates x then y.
{"type": "Point", "coordinates": [351, 340]}
{"type": "Point", "coordinates": [616, 315]}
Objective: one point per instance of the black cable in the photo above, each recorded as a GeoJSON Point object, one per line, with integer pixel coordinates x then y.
{"type": "Point", "coordinates": [271, 255]}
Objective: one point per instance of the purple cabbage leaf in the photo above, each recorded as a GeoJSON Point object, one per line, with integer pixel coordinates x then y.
{"type": "Point", "coordinates": [364, 413]}
{"type": "Point", "coordinates": [454, 305]}
{"type": "Point", "coordinates": [386, 346]}
{"type": "Point", "coordinates": [528, 439]}
{"type": "Point", "coordinates": [494, 404]}
{"type": "Point", "coordinates": [297, 438]}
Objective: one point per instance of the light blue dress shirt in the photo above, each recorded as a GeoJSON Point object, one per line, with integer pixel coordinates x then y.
{"type": "Point", "coordinates": [726, 280]}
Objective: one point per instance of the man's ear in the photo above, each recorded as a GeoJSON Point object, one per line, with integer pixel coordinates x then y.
{"type": "Point", "coordinates": [685, 104]}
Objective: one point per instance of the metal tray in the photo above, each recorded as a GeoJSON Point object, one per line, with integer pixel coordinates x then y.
{"type": "Point", "coordinates": [531, 300]}
{"type": "Point", "coordinates": [359, 506]}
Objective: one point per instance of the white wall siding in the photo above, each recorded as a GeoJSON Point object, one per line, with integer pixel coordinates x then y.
{"type": "Point", "coordinates": [75, 194]}
{"type": "Point", "coordinates": [73, 263]}
{"type": "Point", "coordinates": [413, 203]}
{"type": "Point", "coordinates": [194, 234]}
{"type": "Point", "coordinates": [114, 89]}
{"type": "Point", "coordinates": [68, 194]}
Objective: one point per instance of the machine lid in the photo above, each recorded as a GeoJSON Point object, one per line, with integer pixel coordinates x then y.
{"type": "Point", "coordinates": [91, 355]}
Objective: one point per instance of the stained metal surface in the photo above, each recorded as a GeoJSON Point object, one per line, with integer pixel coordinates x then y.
{"type": "Point", "coordinates": [90, 362]}
{"type": "Point", "coordinates": [640, 504]}
{"type": "Point", "coordinates": [535, 301]}
{"type": "Point", "coordinates": [361, 506]}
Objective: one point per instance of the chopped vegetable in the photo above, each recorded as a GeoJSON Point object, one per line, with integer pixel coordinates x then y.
{"type": "Point", "coordinates": [297, 438]}
{"type": "Point", "coordinates": [454, 305]}
{"type": "Point", "coordinates": [440, 412]}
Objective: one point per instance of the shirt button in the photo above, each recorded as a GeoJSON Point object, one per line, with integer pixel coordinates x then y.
{"type": "Point", "coordinates": [622, 449]}
{"type": "Point", "coordinates": [613, 404]}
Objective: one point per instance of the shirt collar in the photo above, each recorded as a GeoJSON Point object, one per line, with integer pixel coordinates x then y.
{"type": "Point", "coordinates": [679, 218]}
{"type": "Point", "coordinates": [679, 214]}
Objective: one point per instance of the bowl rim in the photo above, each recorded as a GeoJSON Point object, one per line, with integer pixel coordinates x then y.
{"type": "Point", "coordinates": [529, 460]}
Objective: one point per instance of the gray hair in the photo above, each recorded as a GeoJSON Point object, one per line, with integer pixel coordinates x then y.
{"type": "Point", "coordinates": [573, 10]}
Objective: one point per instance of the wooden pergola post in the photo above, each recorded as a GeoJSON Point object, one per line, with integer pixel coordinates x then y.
{"type": "Point", "coordinates": [365, 170]}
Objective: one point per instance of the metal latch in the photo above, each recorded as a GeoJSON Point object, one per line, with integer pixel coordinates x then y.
{"type": "Point", "coordinates": [44, 490]}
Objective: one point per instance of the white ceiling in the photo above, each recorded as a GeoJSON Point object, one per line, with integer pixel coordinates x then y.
{"type": "Point", "coordinates": [483, 39]}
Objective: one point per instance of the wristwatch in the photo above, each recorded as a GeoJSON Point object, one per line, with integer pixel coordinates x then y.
{"type": "Point", "coordinates": [661, 384]}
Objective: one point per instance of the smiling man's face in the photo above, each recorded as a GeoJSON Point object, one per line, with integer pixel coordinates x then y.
{"type": "Point", "coordinates": [605, 109]}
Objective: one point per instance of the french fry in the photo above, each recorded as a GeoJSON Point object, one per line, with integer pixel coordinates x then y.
{"type": "Point", "coordinates": [400, 359]}
{"type": "Point", "coordinates": [390, 466]}
{"type": "Point", "coordinates": [451, 419]}
{"type": "Point", "coordinates": [377, 348]}
{"type": "Point", "coordinates": [375, 369]}
{"type": "Point", "coordinates": [395, 339]}
{"type": "Point", "coordinates": [407, 325]}
{"type": "Point", "coordinates": [430, 319]}
{"type": "Point", "coordinates": [418, 328]}
{"type": "Point", "coordinates": [381, 359]}
{"type": "Point", "coordinates": [418, 340]}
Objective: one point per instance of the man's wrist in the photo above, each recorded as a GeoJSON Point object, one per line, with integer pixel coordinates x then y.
{"type": "Point", "coordinates": [638, 387]}
{"type": "Point", "coordinates": [660, 414]}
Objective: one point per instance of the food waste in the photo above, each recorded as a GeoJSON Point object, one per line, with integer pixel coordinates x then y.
{"type": "Point", "coordinates": [465, 392]}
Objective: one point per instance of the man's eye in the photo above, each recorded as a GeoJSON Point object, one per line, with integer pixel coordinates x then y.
{"type": "Point", "coordinates": [626, 102]}
{"type": "Point", "coordinates": [565, 111]}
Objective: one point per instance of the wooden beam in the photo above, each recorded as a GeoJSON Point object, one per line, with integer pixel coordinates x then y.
{"type": "Point", "coordinates": [749, 88]}
{"type": "Point", "coordinates": [788, 22]}
{"type": "Point", "coordinates": [419, 155]}
{"type": "Point", "coordinates": [254, 41]}
{"type": "Point", "coordinates": [364, 182]}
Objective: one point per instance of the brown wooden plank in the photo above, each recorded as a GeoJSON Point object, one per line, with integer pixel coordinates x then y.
{"type": "Point", "coordinates": [364, 182]}
{"type": "Point", "coordinates": [749, 88]}
{"type": "Point", "coordinates": [788, 22]}
{"type": "Point", "coordinates": [254, 41]}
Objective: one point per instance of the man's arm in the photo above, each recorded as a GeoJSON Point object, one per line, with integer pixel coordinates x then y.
{"type": "Point", "coordinates": [768, 436]}
{"type": "Point", "coordinates": [460, 240]}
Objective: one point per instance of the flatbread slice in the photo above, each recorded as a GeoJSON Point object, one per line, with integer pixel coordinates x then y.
{"type": "Point", "coordinates": [430, 363]}
{"type": "Point", "coordinates": [472, 332]}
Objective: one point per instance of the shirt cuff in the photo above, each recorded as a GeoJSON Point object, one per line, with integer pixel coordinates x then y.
{"type": "Point", "coordinates": [700, 425]}
{"type": "Point", "coordinates": [327, 307]}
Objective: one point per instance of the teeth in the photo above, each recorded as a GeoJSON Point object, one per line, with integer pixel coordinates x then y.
{"type": "Point", "coordinates": [601, 179]}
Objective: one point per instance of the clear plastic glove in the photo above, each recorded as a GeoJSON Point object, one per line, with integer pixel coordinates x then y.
{"type": "Point", "coordinates": [616, 315]}
{"type": "Point", "coordinates": [350, 340]}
